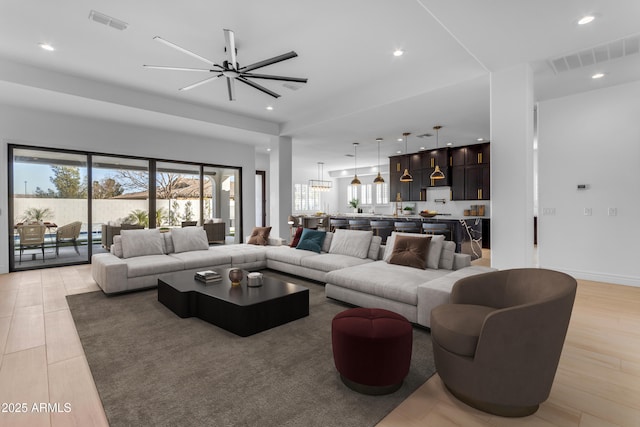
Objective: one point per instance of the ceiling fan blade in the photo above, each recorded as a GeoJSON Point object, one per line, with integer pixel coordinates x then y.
{"type": "Point", "coordinates": [232, 89]}
{"type": "Point", "coordinates": [163, 67]}
{"type": "Point", "coordinates": [201, 82]}
{"type": "Point", "coordinates": [230, 41]}
{"type": "Point", "coordinates": [257, 86]}
{"type": "Point", "coordinates": [270, 61]}
{"type": "Point", "coordinates": [270, 77]}
{"type": "Point", "coordinates": [183, 50]}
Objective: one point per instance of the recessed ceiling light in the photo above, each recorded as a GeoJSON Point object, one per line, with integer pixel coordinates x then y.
{"type": "Point", "coordinates": [399, 139]}
{"type": "Point", "coordinates": [398, 52]}
{"type": "Point", "coordinates": [47, 47]}
{"type": "Point", "coordinates": [586, 19]}
{"type": "Point", "coordinates": [268, 149]}
{"type": "Point", "coordinates": [449, 144]}
{"type": "Point", "coordinates": [269, 107]}
{"type": "Point", "coordinates": [399, 152]}
{"type": "Point", "coordinates": [423, 148]}
{"type": "Point", "coordinates": [479, 139]}
{"type": "Point", "coordinates": [597, 76]}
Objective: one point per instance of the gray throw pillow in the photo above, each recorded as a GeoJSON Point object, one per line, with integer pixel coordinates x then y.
{"type": "Point", "coordinates": [354, 243]}
{"type": "Point", "coordinates": [141, 242]}
{"type": "Point", "coordinates": [189, 239]}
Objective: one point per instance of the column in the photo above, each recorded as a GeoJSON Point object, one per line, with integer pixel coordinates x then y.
{"type": "Point", "coordinates": [280, 185]}
{"type": "Point", "coordinates": [512, 167]}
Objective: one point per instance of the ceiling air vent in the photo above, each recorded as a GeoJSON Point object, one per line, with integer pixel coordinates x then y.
{"type": "Point", "coordinates": [425, 135]}
{"type": "Point", "coordinates": [596, 55]}
{"type": "Point", "coordinates": [107, 20]}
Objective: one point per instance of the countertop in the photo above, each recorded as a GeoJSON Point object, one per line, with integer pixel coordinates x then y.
{"type": "Point", "coordinates": [439, 217]}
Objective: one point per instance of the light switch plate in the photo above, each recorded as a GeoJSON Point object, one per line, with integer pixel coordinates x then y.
{"type": "Point", "coordinates": [588, 211]}
{"type": "Point", "coordinates": [612, 211]}
{"type": "Point", "coordinates": [548, 211]}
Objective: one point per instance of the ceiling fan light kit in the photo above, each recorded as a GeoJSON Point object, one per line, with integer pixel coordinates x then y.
{"type": "Point", "coordinates": [230, 68]}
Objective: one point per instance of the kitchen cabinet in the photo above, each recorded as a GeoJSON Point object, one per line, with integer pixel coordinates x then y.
{"type": "Point", "coordinates": [477, 183]}
{"type": "Point", "coordinates": [471, 172]}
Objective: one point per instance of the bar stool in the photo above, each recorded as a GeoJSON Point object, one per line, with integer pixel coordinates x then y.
{"type": "Point", "coordinates": [294, 223]}
{"type": "Point", "coordinates": [435, 228]}
{"type": "Point", "coordinates": [337, 223]}
{"type": "Point", "coordinates": [359, 224]}
{"type": "Point", "coordinates": [406, 227]}
{"type": "Point", "coordinates": [382, 229]}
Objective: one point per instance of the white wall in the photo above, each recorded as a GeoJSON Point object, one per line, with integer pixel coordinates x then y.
{"type": "Point", "coordinates": [592, 138]}
{"type": "Point", "coordinates": [48, 129]}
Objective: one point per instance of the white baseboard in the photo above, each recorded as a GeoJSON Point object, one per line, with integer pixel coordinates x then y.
{"type": "Point", "coordinates": [601, 277]}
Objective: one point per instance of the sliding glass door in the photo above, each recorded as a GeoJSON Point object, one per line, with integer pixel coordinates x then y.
{"type": "Point", "coordinates": [49, 208]}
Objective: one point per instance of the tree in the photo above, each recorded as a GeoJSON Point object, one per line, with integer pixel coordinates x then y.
{"type": "Point", "coordinates": [174, 216]}
{"type": "Point", "coordinates": [107, 188]}
{"type": "Point", "coordinates": [67, 182]}
{"type": "Point", "coordinates": [37, 214]}
{"type": "Point", "coordinates": [166, 183]}
{"type": "Point", "coordinates": [160, 217]}
{"type": "Point", "coordinates": [39, 192]}
{"type": "Point", "coordinates": [188, 211]}
{"type": "Point", "coordinates": [138, 216]}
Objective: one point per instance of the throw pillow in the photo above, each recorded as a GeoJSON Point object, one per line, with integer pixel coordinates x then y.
{"type": "Point", "coordinates": [116, 246]}
{"type": "Point", "coordinates": [410, 251]}
{"type": "Point", "coordinates": [141, 242]}
{"type": "Point", "coordinates": [311, 240]}
{"type": "Point", "coordinates": [296, 237]}
{"type": "Point", "coordinates": [189, 239]}
{"type": "Point", "coordinates": [328, 237]}
{"type": "Point", "coordinates": [351, 242]}
{"type": "Point", "coordinates": [259, 236]}
{"type": "Point", "coordinates": [435, 248]}
{"type": "Point", "coordinates": [446, 258]}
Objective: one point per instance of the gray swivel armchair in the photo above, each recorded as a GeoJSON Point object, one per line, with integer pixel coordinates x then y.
{"type": "Point", "coordinates": [497, 344]}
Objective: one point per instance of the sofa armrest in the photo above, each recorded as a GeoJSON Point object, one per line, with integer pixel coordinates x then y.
{"type": "Point", "coordinates": [438, 291]}
{"type": "Point", "coordinates": [109, 272]}
{"type": "Point", "coordinates": [461, 261]}
{"type": "Point", "coordinates": [276, 241]}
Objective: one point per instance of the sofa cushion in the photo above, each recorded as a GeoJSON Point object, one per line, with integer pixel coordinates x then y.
{"type": "Point", "coordinates": [330, 262]}
{"type": "Point", "coordinates": [168, 243]}
{"type": "Point", "coordinates": [296, 237]}
{"type": "Point", "coordinates": [141, 242]}
{"type": "Point", "coordinates": [245, 253]}
{"type": "Point", "coordinates": [116, 247]}
{"type": "Point", "coordinates": [374, 248]}
{"type": "Point", "coordinates": [447, 255]}
{"type": "Point", "coordinates": [354, 243]}
{"type": "Point", "coordinates": [152, 264]}
{"type": "Point", "coordinates": [311, 240]}
{"type": "Point", "coordinates": [433, 255]}
{"type": "Point", "coordinates": [288, 255]}
{"type": "Point", "coordinates": [457, 327]}
{"type": "Point", "coordinates": [189, 239]}
{"type": "Point", "coordinates": [326, 245]}
{"type": "Point", "coordinates": [259, 236]}
{"type": "Point", "coordinates": [389, 281]}
{"type": "Point", "coordinates": [204, 258]}
{"type": "Point", "coordinates": [410, 251]}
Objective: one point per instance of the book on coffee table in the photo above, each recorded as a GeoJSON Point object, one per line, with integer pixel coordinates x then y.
{"type": "Point", "coordinates": [207, 276]}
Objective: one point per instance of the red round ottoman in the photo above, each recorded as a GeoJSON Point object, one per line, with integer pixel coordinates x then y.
{"type": "Point", "coordinates": [371, 349]}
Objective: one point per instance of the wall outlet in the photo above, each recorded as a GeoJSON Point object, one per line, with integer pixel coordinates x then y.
{"type": "Point", "coordinates": [588, 211]}
{"type": "Point", "coordinates": [548, 211]}
{"type": "Point", "coordinates": [612, 211]}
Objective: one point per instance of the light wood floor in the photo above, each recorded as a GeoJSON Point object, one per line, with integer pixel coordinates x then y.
{"type": "Point", "coordinates": [42, 361]}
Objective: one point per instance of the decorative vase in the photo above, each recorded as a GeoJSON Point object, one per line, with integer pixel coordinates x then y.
{"type": "Point", "coordinates": [235, 275]}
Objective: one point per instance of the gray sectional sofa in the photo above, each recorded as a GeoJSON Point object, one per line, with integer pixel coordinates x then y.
{"type": "Point", "coordinates": [353, 264]}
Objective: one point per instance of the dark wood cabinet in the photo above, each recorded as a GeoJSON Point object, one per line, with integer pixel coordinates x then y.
{"type": "Point", "coordinates": [466, 171]}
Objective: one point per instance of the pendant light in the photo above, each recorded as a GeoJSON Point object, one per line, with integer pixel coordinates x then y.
{"type": "Point", "coordinates": [437, 173]}
{"type": "Point", "coordinates": [406, 176]}
{"type": "Point", "coordinates": [378, 179]}
{"type": "Point", "coordinates": [355, 180]}
{"type": "Point", "coordinates": [320, 184]}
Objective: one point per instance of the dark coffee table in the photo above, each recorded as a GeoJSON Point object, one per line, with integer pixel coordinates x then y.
{"type": "Point", "coordinates": [239, 309]}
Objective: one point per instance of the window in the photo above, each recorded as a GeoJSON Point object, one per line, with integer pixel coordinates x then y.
{"type": "Point", "coordinates": [306, 199]}
{"type": "Point", "coordinates": [382, 194]}
{"type": "Point", "coordinates": [365, 194]}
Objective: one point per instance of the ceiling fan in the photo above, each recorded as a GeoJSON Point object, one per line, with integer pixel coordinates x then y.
{"type": "Point", "coordinates": [230, 68]}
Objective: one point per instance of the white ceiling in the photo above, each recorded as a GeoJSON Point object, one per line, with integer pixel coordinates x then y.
{"type": "Point", "coordinates": [357, 89]}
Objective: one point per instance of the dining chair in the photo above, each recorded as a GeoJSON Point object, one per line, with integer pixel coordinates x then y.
{"type": "Point", "coordinates": [68, 233]}
{"type": "Point", "coordinates": [31, 236]}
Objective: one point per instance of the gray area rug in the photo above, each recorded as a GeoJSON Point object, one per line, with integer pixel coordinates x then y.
{"type": "Point", "coordinates": [153, 368]}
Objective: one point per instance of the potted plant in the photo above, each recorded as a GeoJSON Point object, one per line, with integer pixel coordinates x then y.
{"type": "Point", "coordinates": [354, 204]}
{"type": "Point", "coordinates": [408, 210]}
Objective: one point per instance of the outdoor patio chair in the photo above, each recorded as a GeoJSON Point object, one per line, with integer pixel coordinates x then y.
{"type": "Point", "coordinates": [31, 236]}
{"type": "Point", "coordinates": [68, 233]}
